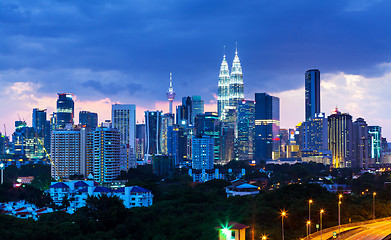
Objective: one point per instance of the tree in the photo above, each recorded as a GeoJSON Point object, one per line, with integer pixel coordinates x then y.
{"type": "Point", "coordinates": [107, 210]}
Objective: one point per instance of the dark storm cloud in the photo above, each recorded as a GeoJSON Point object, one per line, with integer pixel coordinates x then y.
{"type": "Point", "coordinates": [145, 40]}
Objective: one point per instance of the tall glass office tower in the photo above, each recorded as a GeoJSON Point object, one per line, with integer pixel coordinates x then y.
{"type": "Point", "coordinates": [267, 126]}
{"type": "Point", "coordinates": [312, 93]}
{"type": "Point", "coordinates": [236, 90]}
{"type": "Point", "coordinates": [223, 88]}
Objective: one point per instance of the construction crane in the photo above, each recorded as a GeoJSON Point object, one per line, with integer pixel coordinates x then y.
{"type": "Point", "coordinates": [48, 156]}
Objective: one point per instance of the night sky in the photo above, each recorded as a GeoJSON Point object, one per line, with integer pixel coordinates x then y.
{"type": "Point", "coordinates": [123, 51]}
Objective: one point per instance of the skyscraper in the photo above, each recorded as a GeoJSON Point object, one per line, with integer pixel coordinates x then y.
{"type": "Point", "coordinates": [267, 126]}
{"type": "Point", "coordinates": [66, 153]}
{"type": "Point", "coordinates": [123, 117]}
{"type": "Point", "coordinates": [153, 132]}
{"type": "Point", "coordinates": [197, 106]}
{"type": "Point", "coordinates": [340, 129]}
{"type": "Point", "coordinates": [236, 90]}
{"type": "Point", "coordinates": [42, 127]}
{"type": "Point", "coordinates": [170, 94]}
{"type": "Point", "coordinates": [223, 88]}
{"type": "Point", "coordinates": [312, 93]}
{"type": "Point", "coordinates": [244, 132]}
{"type": "Point", "coordinates": [360, 144]}
{"type": "Point", "coordinates": [208, 124]}
{"type": "Point", "coordinates": [88, 119]}
{"type": "Point", "coordinates": [106, 154]}
{"type": "Point", "coordinates": [65, 109]}
{"type": "Point", "coordinates": [375, 143]}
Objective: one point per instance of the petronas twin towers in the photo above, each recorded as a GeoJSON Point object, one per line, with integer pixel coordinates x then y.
{"type": "Point", "coordinates": [230, 86]}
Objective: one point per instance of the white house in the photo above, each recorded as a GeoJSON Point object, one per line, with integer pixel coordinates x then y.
{"type": "Point", "coordinates": [78, 191]}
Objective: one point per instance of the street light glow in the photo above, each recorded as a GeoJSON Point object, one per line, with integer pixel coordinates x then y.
{"type": "Point", "coordinates": [321, 210]}
{"type": "Point", "coordinates": [310, 201]}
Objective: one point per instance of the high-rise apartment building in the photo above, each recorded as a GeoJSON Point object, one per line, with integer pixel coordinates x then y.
{"type": "Point", "coordinates": [88, 119]}
{"type": "Point", "coordinates": [312, 93]}
{"type": "Point", "coordinates": [267, 126]}
{"type": "Point", "coordinates": [65, 110]}
{"type": "Point", "coordinates": [340, 134]}
{"type": "Point", "coordinates": [66, 153]}
{"type": "Point", "coordinates": [123, 118]}
{"type": "Point", "coordinates": [106, 154]}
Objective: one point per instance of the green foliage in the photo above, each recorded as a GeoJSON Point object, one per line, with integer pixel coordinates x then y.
{"type": "Point", "coordinates": [191, 211]}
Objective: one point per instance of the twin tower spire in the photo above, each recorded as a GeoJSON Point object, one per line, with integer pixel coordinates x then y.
{"type": "Point", "coordinates": [230, 87]}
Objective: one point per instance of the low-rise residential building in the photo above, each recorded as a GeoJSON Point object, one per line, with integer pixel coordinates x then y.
{"type": "Point", "coordinates": [22, 209]}
{"type": "Point", "coordinates": [204, 175]}
{"type": "Point", "coordinates": [241, 188]}
{"type": "Point", "coordinates": [77, 193]}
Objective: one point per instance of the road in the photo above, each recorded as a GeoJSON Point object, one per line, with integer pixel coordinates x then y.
{"type": "Point", "coordinates": [373, 231]}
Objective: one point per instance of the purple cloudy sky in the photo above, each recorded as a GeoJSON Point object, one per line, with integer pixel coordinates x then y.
{"type": "Point", "coordinates": [123, 51]}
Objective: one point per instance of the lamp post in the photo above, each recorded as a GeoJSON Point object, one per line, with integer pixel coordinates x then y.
{"type": "Point", "coordinates": [309, 214]}
{"type": "Point", "coordinates": [2, 172]}
{"type": "Point", "coordinates": [339, 214]}
{"type": "Point", "coordinates": [264, 237]}
{"type": "Point", "coordinates": [283, 214]}
{"type": "Point", "coordinates": [321, 213]}
{"type": "Point", "coordinates": [308, 227]}
{"type": "Point", "coordinates": [373, 213]}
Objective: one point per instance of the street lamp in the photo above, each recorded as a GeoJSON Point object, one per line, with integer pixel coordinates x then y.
{"type": "Point", "coordinates": [321, 213]}
{"type": "Point", "coordinates": [309, 213]}
{"type": "Point", "coordinates": [264, 237]}
{"type": "Point", "coordinates": [283, 214]}
{"type": "Point", "coordinates": [339, 214]}
{"type": "Point", "coordinates": [2, 172]}
{"type": "Point", "coordinates": [308, 227]}
{"type": "Point", "coordinates": [373, 213]}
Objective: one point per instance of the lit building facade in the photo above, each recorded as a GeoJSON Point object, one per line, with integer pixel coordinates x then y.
{"type": "Point", "coordinates": [208, 124]}
{"type": "Point", "coordinates": [42, 127]}
{"type": "Point", "coordinates": [170, 94]}
{"type": "Point", "coordinates": [66, 153]}
{"type": "Point", "coordinates": [340, 129]}
{"type": "Point", "coordinates": [315, 133]}
{"type": "Point", "coordinates": [223, 89]}
{"type": "Point", "coordinates": [312, 93]}
{"type": "Point", "coordinates": [123, 118]}
{"type": "Point", "coordinates": [236, 86]}
{"type": "Point", "coordinates": [65, 110]}
{"type": "Point", "coordinates": [360, 144]}
{"type": "Point", "coordinates": [267, 127]}
{"type": "Point", "coordinates": [244, 132]}
{"type": "Point", "coordinates": [203, 152]}
{"type": "Point", "coordinates": [88, 119]}
{"type": "Point", "coordinates": [375, 143]}
{"type": "Point", "coordinates": [106, 154]}
{"type": "Point", "coordinates": [153, 132]}
{"type": "Point", "coordinates": [197, 107]}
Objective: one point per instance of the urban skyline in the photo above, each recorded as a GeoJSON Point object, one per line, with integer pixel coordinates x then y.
{"type": "Point", "coordinates": [351, 64]}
